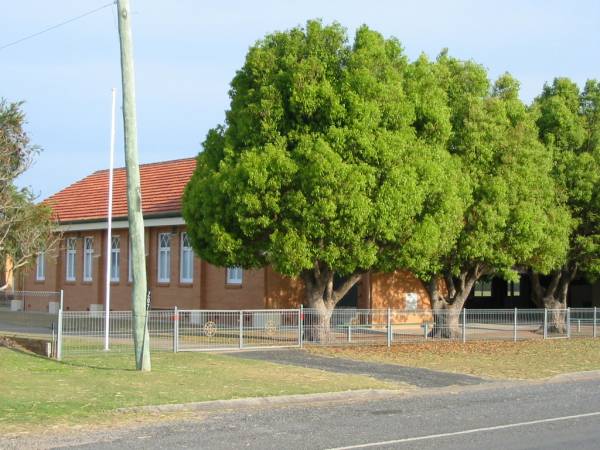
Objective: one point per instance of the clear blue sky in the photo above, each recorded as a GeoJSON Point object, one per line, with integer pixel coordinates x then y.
{"type": "Point", "coordinates": [187, 51]}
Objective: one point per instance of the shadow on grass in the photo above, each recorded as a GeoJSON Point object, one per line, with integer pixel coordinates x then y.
{"type": "Point", "coordinates": [92, 366]}
{"type": "Point", "coordinates": [71, 363]}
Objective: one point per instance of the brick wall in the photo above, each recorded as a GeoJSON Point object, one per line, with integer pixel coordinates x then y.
{"type": "Point", "coordinates": [25, 280]}
{"type": "Point", "coordinates": [166, 295]}
{"type": "Point", "coordinates": [80, 294]}
{"type": "Point", "coordinates": [282, 292]}
{"type": "Point", "coordinates": [218, 294]}
{"type": "Point", "coordinates": [389, 290]}
{"type": "Point", "coordinates": [262, 288]}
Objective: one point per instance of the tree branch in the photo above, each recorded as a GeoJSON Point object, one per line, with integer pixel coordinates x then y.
{"type": "Point", "coordinates": [537, 289]}
{"type": "Point", "coordinates": [329, 288]}
{"type": "Point", "coordinates": [339, 293]}
{"type": "Point", "coordinates": [449, 279]}
{"type": "Point", "coordinates": [551, 289]}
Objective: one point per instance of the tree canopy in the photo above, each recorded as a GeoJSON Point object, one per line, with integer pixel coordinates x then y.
{"type": "Point", "coordinates": [514, 218]}
{"type": "Point", "coordinates": [326, 164]}
{"type": "Point", "coordinates": [339, 158]}
{"type": "Point", "coordinates": [25, 228]}
{"type": "Point", "coordinates": [569, 126]}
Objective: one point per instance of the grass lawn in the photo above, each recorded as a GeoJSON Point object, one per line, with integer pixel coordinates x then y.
{"type": "Point", "coordinates": [39, 391]}
{"type": "Point", "coordinates": [520, 360]}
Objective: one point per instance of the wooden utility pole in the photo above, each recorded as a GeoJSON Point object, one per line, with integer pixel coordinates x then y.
{"type": "Point", "coordinates": [134, 197]}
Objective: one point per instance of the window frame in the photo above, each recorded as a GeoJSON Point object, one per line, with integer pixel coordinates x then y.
{"type": "Point", "coordinates": [40, 262]}
{"type": "Point", "coordinates": [116, 252]}
{"type": "Point", "coordinates": [183, 251]}
{"type": "Point", "coordinates": [481, 288]}
{"type": "Point", "coordinates": [71, 256]}
{"type": "Point", "coordinates": [514, 286]}
{"type": "Point", "coordinates": [164, 278]}
{"type": "Point", "coordinates": [88, 256]}
{"type": "Point", "coordinates": [231, 276]}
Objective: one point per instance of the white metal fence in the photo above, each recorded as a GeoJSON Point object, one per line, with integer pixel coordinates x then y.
{"type": "Point", "coordinates": [213, 330]}
{"type": "Point", "coordinates": [31, 301]}
{"type": "Point", "coordinates": [84, 331]}
{"type": "Point", "coordinates": [30, 313]}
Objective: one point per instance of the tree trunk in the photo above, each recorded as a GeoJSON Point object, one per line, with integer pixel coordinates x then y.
{"type": "Point", "coordinates": [557, 315]}
{"type": "Point", "coordinates": [447, 307]}
{"type": "Point", "coordinates": [446, 319]}
{"type": "Point", "coordinates": [321, 297]}
{"type": "Point", "coordinates": [554, 297]}
{"type": "Point", "coordinates": [319, 329]}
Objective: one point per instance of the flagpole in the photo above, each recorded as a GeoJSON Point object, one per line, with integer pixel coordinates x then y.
{"type": "Point", "coordinates": [108, 253]}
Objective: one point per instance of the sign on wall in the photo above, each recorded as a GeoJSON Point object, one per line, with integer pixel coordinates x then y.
{"type": "Point", "coordinates": [411, 301]}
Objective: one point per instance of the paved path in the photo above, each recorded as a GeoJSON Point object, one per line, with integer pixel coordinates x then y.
{"type": "Point", "coordinates": [555, 416]}
{"type": "Point", "coordinates": [391, 372]}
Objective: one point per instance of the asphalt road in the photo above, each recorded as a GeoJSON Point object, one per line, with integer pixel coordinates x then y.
{"type": "Point", "coordinates": [551, 415]}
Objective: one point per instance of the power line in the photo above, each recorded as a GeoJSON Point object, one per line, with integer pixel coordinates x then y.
{"type": "Point", "coordinates": [53, 27]}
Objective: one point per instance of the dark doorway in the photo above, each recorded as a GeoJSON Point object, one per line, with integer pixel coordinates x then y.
{"type": "Point", "coordinates": [581, 294]}
{"type": "Point", "coordinates": [350, 300]}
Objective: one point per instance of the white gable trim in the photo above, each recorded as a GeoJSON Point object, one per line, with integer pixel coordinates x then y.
{"type": "Point", "coordinates": [121, 224]}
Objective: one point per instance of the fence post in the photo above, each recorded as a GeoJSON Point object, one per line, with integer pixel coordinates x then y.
{"type": "Point", "coordinates": [568, 323]}
{"type": "Point", "coordinates": [300, 325]}
{"type": "Point", "coordinates": [464, 327]}
{"type": "Point", "coordinates": [53, 340]}
{"type": "Point", "coordinates": [349, 332]}
{"type": "Point", "coordinates": [62, 299]}
{"type": "Point", "coordinates": [545, 323]}
{"type": "Point", "coordinates": [241, 329]}
{"type": "Point", "coordinates": [59, 339]}
{"type": "Point", "coordinates": [389, 328]}
{"type": "Point", "coordinates": [425, 329]}
{"type": "Point", "coordinates": [175, 330]}
{"type": "Point", "coordinates": [594, 325]}
{"type": "Point", "coordinates": [515, 328]}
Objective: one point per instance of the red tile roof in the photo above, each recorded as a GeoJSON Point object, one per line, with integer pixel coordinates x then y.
{"type": "Point", "coordinates": [87, 199]}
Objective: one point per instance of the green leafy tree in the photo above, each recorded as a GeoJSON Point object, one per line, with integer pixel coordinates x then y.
{"type": "Point", "coordinates": [569, 127]}
{"type": "Point", "coordinates": [25, 228]}
{"type": "Point", "coordinates": [514, 218]}
{"type": "Point", "coordinates": [319, 171]}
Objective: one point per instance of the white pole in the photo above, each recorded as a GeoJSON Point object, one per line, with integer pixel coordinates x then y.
{"type": "Point", "coordinates": [109, 219]}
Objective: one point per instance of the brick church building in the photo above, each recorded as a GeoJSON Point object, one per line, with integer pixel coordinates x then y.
{"type": "Point", "coordinates": [176, 276]}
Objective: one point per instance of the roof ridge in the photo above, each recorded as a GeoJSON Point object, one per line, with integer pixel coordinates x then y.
{"type": "Point", "coordinates": [169, 161]}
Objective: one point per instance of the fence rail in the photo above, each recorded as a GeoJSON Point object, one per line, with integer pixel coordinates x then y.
{"type": "Point", "coordinates": [81, 332]}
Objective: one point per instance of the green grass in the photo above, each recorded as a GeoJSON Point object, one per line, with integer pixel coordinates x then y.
{"type": "Point", "coordinates": [503, 360]}
{"type": "Point", "coordinates": [35, 390]}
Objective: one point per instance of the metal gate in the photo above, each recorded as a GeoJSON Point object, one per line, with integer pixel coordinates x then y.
{"type": "Point", "coordinates": [199, 330]}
